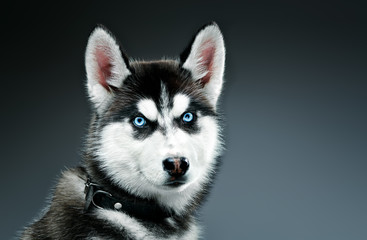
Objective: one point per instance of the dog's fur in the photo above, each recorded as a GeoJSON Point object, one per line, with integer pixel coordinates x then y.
{"type": "Point", "coordinates": [125, 159]}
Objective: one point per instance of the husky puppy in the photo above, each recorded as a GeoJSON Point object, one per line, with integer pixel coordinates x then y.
{"type": "Point", "coordinates": [152, 149]}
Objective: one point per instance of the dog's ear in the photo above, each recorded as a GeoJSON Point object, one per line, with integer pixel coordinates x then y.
{"type": "Point", "coordinates": [106, 65]}
{"type": "Point", "coordinates": [204, 58]}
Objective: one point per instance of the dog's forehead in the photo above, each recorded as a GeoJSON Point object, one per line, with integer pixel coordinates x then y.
{"type": "Point", "coordinates": [146, 78]}
{"type": "Point", "coordinates": [160, 81]}
{"type": "Point", "coordinates": [149, 108]}
{"type": "Point", "coordinates": [154, 88]}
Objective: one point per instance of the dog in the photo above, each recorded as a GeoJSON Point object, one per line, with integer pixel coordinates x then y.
{"type": "Point", "coordinates": [152, 149]}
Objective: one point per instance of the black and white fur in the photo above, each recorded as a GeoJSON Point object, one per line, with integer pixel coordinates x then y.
{"type": "Point", "coordinates": [127, 160]}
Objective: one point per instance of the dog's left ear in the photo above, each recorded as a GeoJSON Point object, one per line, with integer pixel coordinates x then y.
{"type": "Point", "coordinates": [106, 65]}
{"type": "Point", "coordinates": [205, 58]}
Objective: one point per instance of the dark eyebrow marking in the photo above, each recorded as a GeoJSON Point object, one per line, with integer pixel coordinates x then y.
{"type": "Point", "coordinates": [204, 109]}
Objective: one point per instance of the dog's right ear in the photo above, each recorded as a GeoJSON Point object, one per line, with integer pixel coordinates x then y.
{"type": "Point", "coordinates": [204, 58]}
{"type": "Point", "coordinates": [106, 65]}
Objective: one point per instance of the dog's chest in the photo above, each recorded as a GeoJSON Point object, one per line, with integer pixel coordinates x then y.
{"type": "Point", "coordinates": [136, 229]}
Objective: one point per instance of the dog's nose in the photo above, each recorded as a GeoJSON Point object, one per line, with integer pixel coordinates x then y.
{"type": "Point", "coordinates": [176, 166]}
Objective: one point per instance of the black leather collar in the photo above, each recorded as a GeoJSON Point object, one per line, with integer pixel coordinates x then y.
{"type": "Point", "coordinates": [96, 197]}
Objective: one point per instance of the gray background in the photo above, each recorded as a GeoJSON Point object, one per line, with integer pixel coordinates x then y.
{"type": "Point", "coordinates": [294, 102]}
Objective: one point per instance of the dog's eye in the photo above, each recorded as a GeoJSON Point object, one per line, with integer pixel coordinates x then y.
{"type": "Point", "coordinates": [188, 117]}
{"type": "Point", "coordinates": [139, 122]}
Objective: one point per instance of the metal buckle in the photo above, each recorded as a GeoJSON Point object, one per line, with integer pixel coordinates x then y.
{"type": "Point", "coordinates": [100, 192]}
{"type": "Point", "coordinates": [88, 184]}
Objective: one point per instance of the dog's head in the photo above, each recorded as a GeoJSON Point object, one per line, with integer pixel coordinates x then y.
{"type": "Point", "coordinates": [155, 131]}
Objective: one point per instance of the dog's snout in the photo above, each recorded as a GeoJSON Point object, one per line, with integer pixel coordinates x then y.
{"type": "Point", "coordinates": [176, 166]}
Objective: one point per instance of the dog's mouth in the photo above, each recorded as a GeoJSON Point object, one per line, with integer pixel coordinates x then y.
{"type": "Point", "coordinates": [170, 182]}
{"type": "Point", "coordinates": [176, 182]}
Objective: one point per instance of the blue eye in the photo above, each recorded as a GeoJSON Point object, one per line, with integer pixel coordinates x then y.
{"type": "Point", "coordinates": [139, 122]}
{"type": "Point", "coordinates": [188, 117]}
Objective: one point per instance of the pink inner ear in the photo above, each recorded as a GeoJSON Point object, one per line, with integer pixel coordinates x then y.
{"type": "Point", "coordinates": [104, 67]}
{"type": "Point", "coordinates": [207, 60]}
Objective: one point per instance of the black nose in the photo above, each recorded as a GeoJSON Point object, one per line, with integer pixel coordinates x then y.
{"type": "Point", "coordinates": [176, 166]}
